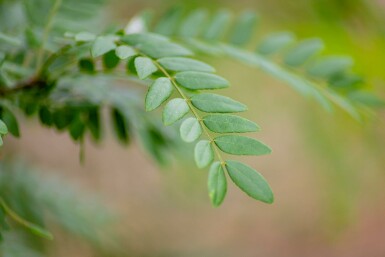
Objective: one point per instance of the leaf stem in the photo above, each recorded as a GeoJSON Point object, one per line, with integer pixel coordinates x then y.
{"type": "Point", "coordinates": [194, 112]}
{"type": "Point", "coordinates": [47, 29]}
{"type": "Point", "coordinates": [34, 228]}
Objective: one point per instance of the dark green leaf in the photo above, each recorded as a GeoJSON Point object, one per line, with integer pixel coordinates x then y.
{"type": "Point", "coordinates": [243, 28]}
{"type": "Point", "coordinates": [102, 45]}
{"type": "Point", "coordinates": [203, 153]}
{"type": "Point", "coordinates": [217, 184]}
{"type": "Point", "coordinates": [250, 181]}
{"type": "Point", "coordinates": [224, 123]}
{"type": "Point", "coordinates": [158, 92]}
{"type": "Point", "coordinates": [303, 51]}
{"type": "Point", "coordinates": [217, 103]}
{"type": "Point", "coordinates": [184, 64]}
{"type": "Point", "coordinates": [174, 111]}
{"type": "Point", "coordinates": [240, 145]}
{"type": "Point", "coordinates": [86, 65]}
{"type": "Point", "coordinates": [195, 80]}
{"type": "Point", "coordinates": [77, 128]}
{"type": "Point", "coordinates": [10, 120]}
{"type": "Point", "coordinates": [45, 116]}
{"type": "Point", "coordinates": [190, 130]}
{"type": "Point", "coordinates": [110, 60]}
{"type": "Point", "coordinates": [120, 125]}
{"type": "Point", "coordinates": [144, 67]}
{"type": "Point", "coordinates": [275, 42]}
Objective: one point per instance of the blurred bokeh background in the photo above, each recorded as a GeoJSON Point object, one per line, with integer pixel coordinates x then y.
{"type": "Point", "coordinates": [327, 170]}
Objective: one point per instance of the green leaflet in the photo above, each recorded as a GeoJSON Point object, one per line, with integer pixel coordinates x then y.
{"type": "Point", "coordinates": [243, 28]}
{"type": "Point", "coordinates": [110, 60]}
{"type": "Point", "coordinates": [144, 67]}
{"type": "Point", "coordinates": [158, 92]}
{"type": "Point", "coordinates": [3, 128]}
{"type": "Point", "coordinates": [174, 110]}
{"type": "Point", "coordinates": [124, 52]}
{"type": "Point", "coordinates": [250, 181]}
{"type": "Point", "coordinates": [303, 51]}
{"type": "Point", "coordinates": [275, 42]}
{"type": "Point", "coordinates": [84, 36]}
{"type": "Point", "coordinates": [163, 49]}
{"type": "Point", "coordinates": [141, 38]}
{"type": "Point", "coordinates": [190, 130]}
{"type": "Point", "coordinates": [184, 64]}
{"type": "Point", "coordinates": [86, 65]}
{"type": "Point", "coordinates": [217, 103]}
{"type": "Point", "coordinates": [10, 120]}
{"type": "Point", "coordinates": [77, 128]}
{"type": "Point", "coordinates": [218, 25]}
{"type": "Point", "coordinates": [217, 184]}
{"type": "Point", "coordinates": [102, 45]}
{"type": "Point", "coordinates": [169, 22]}
{"type": "Point", "coordinates": [366, 98]}
{"type": "Point", "coordinates": [191, 26]}
{"type": "Point", "coordinates": [240, 145]}
{"type": "Point", "coordinates": [225, 123]}
{"type": "Point", "coordinates": [329, 66]}
{"type": "Point", "coordinates": [203, 153]}
{"type": "Point", "coordinates": [200, 80]}
{"type": "Point", "coordinates": [120, 126]}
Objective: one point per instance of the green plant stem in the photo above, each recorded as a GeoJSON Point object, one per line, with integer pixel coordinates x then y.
{"type": "Point", "coordinates": [194, 112]}
{"type": "Point", "coordinates": [34, 228]}
{"type": "Point", "coordinates": [47, 29]}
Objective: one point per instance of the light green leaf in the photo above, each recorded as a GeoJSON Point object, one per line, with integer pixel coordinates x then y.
{"type": "Point", "coordinates": [195, 80]}
{"type": "Point", "coordinates": [3, 128]}
{"type": "Point", "coordinates": [243, 28]}
{"type": "Point", "coordinates": [158, 92]}
{"type": "Point", "coordinates": [218, 25]}
{"type": "Point", "coordinates": [190, 130]}
{"type": "Point", "coordinates": [275, 42]}
{"type": "Point", "coordinates": [250, 181]}
{"type": "Point", "coordinates": [329, 66]}
{"type": "Point", "coordinates": [217, 103]}
{"type": "Point", "coordinates": [303, 51]}
{"type": "Point", "coordinates": [163, 49]}
{"type": "Point", "coordinates": [145, 67]}
{"type": "Point", "coordinates": [224, 123]}
{"type": "Point", "coordinates": [84, 36]}
{"type": "Point", "coordinates": [124, 52]}
{"type": "Point", "coordinates": [169, 22]}
{"type": "Point", "coordinates": [217, 184]}
{"type": "Point", "coordinates": [203, 153]}
{"type": "Point", "coordinates": [136, 39]}
{"type": "Point", "coordinates": [184, 64]}
{"type": "Point", "coordinates": [240, 145]}
{"type": "Point", "coordinates": [191, 26]}
{"type": "Point", "coordinates": [366, 98]}
{"type": "Point", "coordinates": [174, 111]}
{"type": "Point", "coordinates": [102, 45]}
